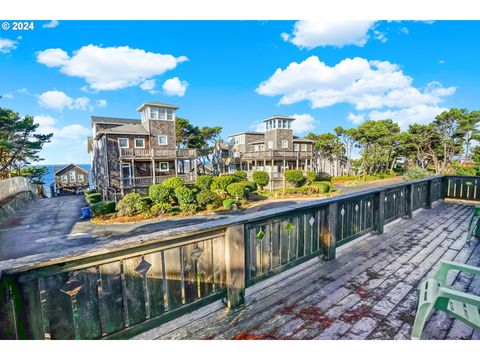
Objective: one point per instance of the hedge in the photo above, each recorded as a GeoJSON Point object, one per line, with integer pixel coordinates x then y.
{"type": "Point", "coordinates": [238, 190]}
{"type": "Point", "coordinates": [260, 178]}
{"type": "Point", "coordinates": [204, 182]}
{"type": "Point", "coordinates": [295, 177]}
{"type": "Point", "coordinates": [208, 197]}
{"type": "Point", "coordinates": [227, 203]}
{"type": "Point", "coordinates": [173, 182]}
{"type": "Point", "coordinates": [241, 175]}
{"type": "Point", "coordinates": [222, 182]}
{"type": "Point", "coordinates": [103, 208]}
{"type": "Point", "coordinates": [131, 204]}
{"type": "Point", "coordinates": [160, 194]}
{"type": "Point", "coordinates": [93, 198]}
{"type": "Point", "coordinates": [184, 195]}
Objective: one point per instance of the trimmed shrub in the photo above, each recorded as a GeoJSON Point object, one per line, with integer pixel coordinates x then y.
{"type": "Point", "coordinates": [160, 208]}
{"type": "Point", "coordinates": [147, 201]}
{"type": "Point", "coordinates": [93, 198]}
{"type": "Point", "coordinates": [227, 203]}
{"type": "Point", "coordinates": [204, 182]}
{"type": "Point", "coordinates": [188, 209]}
{"type": "Point", "coordinates": [416, 172]}
{"type": "Point", "coordinates": [208, 197]}
{"type": "Point", "coordinates": [103, 208]}
{"type": "Point", "coordinates": [131, 204]}
{"type": "Point", "coordinates": [184, 195]}
{"type": "Point", "coordinates": [238, 190]}
{"type": "Point", "coordinates": [90, 191]}
{"type": "Point", "coordinates": [250, 185]}
{"type": "Point", "coordinates": [222, 182]}
{"type": "Point", "coordinates": [295, 177]}
{"type": "Point", "coordinates": [173, 182]}
{"type": "Point", "coordinates": [160, 194]}
{"type": "Point", "coordinates": [261, 178]}
{"type": "Point", "coordinates": [465, 170]}
{"type": "Point", "coordinates": [241, 175]}
{"type": "Point", "coordinates": [326, 186]}
{"type": "Point", "coordinates": [311, 177]}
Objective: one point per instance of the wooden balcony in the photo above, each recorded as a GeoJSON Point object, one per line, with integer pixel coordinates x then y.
{"type": "Point", "coordinates": [158, 154]}
{"type": "Point", "coordinates": [345, 267]}
{"type": "Point", "coordinates": [145, 181]}
{"type": "Point", "coordinates": [277, 154]}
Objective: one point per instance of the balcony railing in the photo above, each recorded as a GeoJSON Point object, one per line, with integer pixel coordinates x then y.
{"type": "Point", "coordinates": [143, 181]}
{"type": "Point", "coordinates": [158, 153]}
{"type": "Point", "coordinates": [277, 154]}
{"type": "Point", "coordinates": [120, 289]}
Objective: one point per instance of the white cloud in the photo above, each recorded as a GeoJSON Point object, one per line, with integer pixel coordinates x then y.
{"type": "Point", "coordinates": [52, 24]}
{"type": "Point", "coordinates": [73, 132]}
{"type": "Point", "coordinates": [59, 101]}
{"type": "Point", "coordinates": [148, 85]}
{"type": "Point", "coordinates": [441, 61]}
{"type": "Point", "coordinates": [420, 114]}
{"type": "Point", "coordinates": [312, 33]}
{"type": "Point", "coordinates": [405, 30]}
{"type": "Point", "coordinates": [7, 95]}
{"type": "Point", "coordinates": [362, 83]}
{"type": "Point", "coordinates": [7, 45]}
{"type": "Point", "coordinates": [380, 36]}
{"type": "Point", "coordinates": [356, 118]}
{"type": "Point", "coordinates": [175, 87]}
{"type": "Point", "coordinates": [102, 103]}
{"type": "Point", "coordinates": [110, 68]}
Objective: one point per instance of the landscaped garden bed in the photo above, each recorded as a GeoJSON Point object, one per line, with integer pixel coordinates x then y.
{"type": "Point", "coordinates": [209, 195]}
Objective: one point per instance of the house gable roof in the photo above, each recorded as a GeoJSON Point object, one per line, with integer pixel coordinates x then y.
{"type": "Point", "coordinates": [159, 104]}
{"type": "Point", "coordinates": [111, 120]}
{"type": "Point", "coordinates": [60, 169]}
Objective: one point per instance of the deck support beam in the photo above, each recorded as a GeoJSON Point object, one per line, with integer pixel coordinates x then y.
{"type": "Point", "coordinates": [235, 265]}
{"type": "Point", "coordinates": [329, 238]}
{"type": "Point", "coordinates": [428, 198]}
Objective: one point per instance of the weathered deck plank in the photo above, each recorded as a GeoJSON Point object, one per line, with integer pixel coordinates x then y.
{"type": "Point", "coordinates": [368, 292]}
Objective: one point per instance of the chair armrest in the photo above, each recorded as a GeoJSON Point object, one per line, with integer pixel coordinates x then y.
{"type": "Point", "coordinates": [446, 266]}
{"type": "Point", "coordinates": [452, 294]}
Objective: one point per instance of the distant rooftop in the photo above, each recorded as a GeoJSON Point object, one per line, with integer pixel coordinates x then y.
{"type": "Point", "coordinates": [248, 132]}
{"type": "Point", "coordinates": [111, 120]}
{"type": "Point", "coordinates": [160, 104]}
{"type": "Point", "coordinates": [279, 117]}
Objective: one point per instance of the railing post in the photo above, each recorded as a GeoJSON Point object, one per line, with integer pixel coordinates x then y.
{"type": "Point", "coordinates": [428, 199]}
{"type": "Point", "coordinates": [235, 265]}
{"type": "Point", "coordinates": [409, 198]}
{"type": "Point", "coordinates": [379, 212]}
{"type": "Point", "coordinates": [329, 238]}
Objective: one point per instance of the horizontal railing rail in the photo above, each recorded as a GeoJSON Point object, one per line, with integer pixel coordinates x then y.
{"type": "Point", "coordinates": [160, 153]}
{"type": "Point", "coordinates": [276, 153]}
{"type": "Point", "coordinates": [135, 283]}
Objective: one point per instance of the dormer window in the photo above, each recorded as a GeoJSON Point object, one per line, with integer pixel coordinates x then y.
{"type": "Point", "coordinates": [160, 113]}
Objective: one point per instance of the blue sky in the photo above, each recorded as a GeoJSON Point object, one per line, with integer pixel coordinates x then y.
{"type": "Point", "coordinates": [236, 73]}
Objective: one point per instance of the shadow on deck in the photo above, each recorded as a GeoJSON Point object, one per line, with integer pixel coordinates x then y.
{"type": "Point", "coordinates": [368, 292]}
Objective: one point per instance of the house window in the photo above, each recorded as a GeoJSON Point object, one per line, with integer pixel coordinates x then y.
{"type": "Point", "coordinates": [256, 148]}
{"type": "Point", "coordinates": [270, 144]}
{"type": "Point", "coordinates": [140, 143]}
{"type": "Point", "coordinates": [284, 144]}
{"type": "Point", "coordinates": [163, 166]}
{"type": "Point", "coordinates": [169, 114]}
{"type": "Point", "coordinates": [64, 178]}
{"type": "Point", "coordinates": [295, 147]}
{"type": "Point", "coordinates": [123, 143]}
{"type": "Point", "coordinates": [81, 178]}
{"type": "Point", "coordinates": [162, 140]}
{"type": "Point", "coordinates": [304, 147]}
{"type": "Point", "coordinates": [72, 176]}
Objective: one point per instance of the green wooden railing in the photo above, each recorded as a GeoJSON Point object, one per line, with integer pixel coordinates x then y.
{"type": "Point", "coordinates": [135, 284]}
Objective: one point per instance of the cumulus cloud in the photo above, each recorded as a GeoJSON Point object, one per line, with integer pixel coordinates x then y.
{"type": "Point", "coordinates": [51, 24]}
{"type": "Point", "coordinates": [362, 83]}
{"type": "Point", "coordinates": [110, 68]}
{"type": "Point", "coordinates": [175, 87]}
{"type": "Point", "coordinates": [7, 45]}
{"type": "Point", "coordinates": [59, 101]}
{"type": "Point", "coordinates": [420, 114]}
{"type": "Point", "coordinates": [73, 132]}
{"type": "Point", "coordinates": [310, 34]}
{"type": "Point", "coordinates": [356, 118]}
{"type": "Point", "coordinates": [7, 95]}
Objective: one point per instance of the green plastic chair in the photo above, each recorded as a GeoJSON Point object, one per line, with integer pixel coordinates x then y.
{"type": "Point", "coordinates": [474, 227]}
{"type": "Point", "coordinates": [435, 294]}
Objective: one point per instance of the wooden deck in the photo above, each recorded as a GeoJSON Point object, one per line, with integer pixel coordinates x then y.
{"type": "Point", "coordinates": [368, 292]}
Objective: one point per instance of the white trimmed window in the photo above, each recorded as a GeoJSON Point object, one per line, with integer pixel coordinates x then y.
{"type": "Point", "coordinates": [163, 166]}
{"type": "Point", "coordinates": [270, 144]}
{"type": "Point", "coordinates": [72, 176]}
{"type": "Point", "coordinates": [256, 148]}
{"type": "Point", "coordinates": [123, 143]}
{"type": "Point", "coordinates": [64, 178]}
{"type": "Point", "coordinates": [140, 143]}
{"type": "Point", "coordinates": [284, 144]}
{"type": "Point", "coordinates": [81, 178]}
{"type": "Point", "coordinates": [295, 147]}
{"type": "Point", "coordinates": [304, 147]}
{"type": "Point", "coordinates": [169, 114]}
{"type": "Point", "coordinates": [162, 140]}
